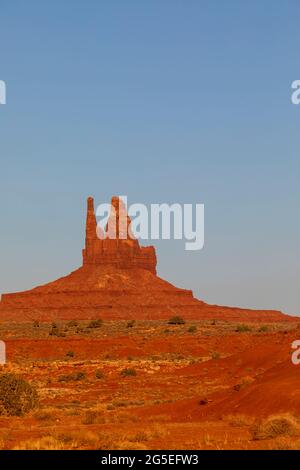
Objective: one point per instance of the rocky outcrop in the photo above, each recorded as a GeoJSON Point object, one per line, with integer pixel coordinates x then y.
{"type": "Point", "coordinates": [117, 281]}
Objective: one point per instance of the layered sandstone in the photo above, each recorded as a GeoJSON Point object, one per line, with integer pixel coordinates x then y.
{"type": "Point", "coordinates": [120, 248]}
{"type": "Point", "coordinates": [117, 280]}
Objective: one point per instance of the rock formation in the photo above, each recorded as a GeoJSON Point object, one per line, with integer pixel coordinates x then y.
{"type": "Point", "coordinates": [120, 248]}
{"type": "Point", "coordinates": [117, 280]}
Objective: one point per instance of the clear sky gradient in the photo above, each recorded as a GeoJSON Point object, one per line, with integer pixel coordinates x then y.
{"type": "Point", "coordinates": [164, 101]}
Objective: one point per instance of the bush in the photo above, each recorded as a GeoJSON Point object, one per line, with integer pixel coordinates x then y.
{"type": "Point", "coordinates": [17, 396]}
{"type": "Point", "coordinates": [36, 324]}
{"type": "Point", "coordinates": [128, 372]}
{"type": "Point", "coordinates": [192, 329]}
{"type": "Point", "coordinates": [90, 417]}
{"type": "Point", "coordinates": [95, 323]}
{"type": "Point", "coordinates": [203, 401]}
{"type": "Point", "coordinates": [130, 324]}
{"type": "Point", "coordinates": [242, 328]}
{"type": "Point", "coordinates": [276, 425]}
{"type": "Point", "coordinates": [263, 329]}
{"type": "Point", "coordinates": [72, 323]}
{"type": "Point", "coordinates": [215, 355]}
{"type": "Point", "coordinates": [70, 354]}
{"type": "Point", "coordinates": [177, 320]}
{"type": "Point", "coordinates": [99, 374]}
{"type": "Point", "coordinates": [72, 377]}
{"type": "Point", "coordinates": [56, 332]}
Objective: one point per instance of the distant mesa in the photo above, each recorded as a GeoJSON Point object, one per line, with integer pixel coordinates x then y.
{"type": "Point", "coordinates": [117, 280]}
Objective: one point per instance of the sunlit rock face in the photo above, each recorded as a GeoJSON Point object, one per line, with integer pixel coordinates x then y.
{"type": "Point", "coordinates": [117, 280]}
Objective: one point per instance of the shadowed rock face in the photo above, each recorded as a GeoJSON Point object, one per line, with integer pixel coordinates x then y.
{"type": "Point", "coordinates": [117, 281]}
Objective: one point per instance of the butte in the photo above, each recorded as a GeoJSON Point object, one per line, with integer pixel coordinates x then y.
{"type": "Point", "coordinates": [117, 280]}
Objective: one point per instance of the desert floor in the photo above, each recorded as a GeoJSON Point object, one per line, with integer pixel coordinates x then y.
{"type": "Point", "coordinates": [152, 385]}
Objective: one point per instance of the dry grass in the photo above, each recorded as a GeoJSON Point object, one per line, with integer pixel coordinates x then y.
{"type": "Point", "coordinates": [276, 425]}
{"type": "Point", "coordinates": [238, 420]}
{"type": "Point", "coordinates": [47, 414]}
{"type": "Point", "coordinates": [43, 443]}
{"type": "Point", "coordinates": [285, 443]}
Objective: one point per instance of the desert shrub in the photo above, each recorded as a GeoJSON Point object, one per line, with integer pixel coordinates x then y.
{"type": "Point", "coordinates": [130, 324]}
{"type": "Point", "coordinates": [95, 323]}
{"type": "Point", "coordinates": [55, 331]}
{"type": "Point", "coordinates": [43, 443]}
{"type": "Point", "coordinates": [72, 323]}
{"type": "Point", "coordinates": [248, 380]}
{"type": "Point", "coordinates": [263, 329]}
{"type": "Point", "coordinates": [285, 443]}
{"type": "Point", "coordinates": [192, 329]}
{"type": "Point", "coordinates": [176, 320]}
{"type": "Point", "coordinates": [90, 417]}
{"type": "Point", "coordinates": [36, 324]}
{"type": "Point", "coordinates": [215, 355]}
{"type": "Point", "coordinates": [17, 396]}
{"type": "Point", "coordinates": [45, 415]}
{"type": "Point", "coordinates": [238, 420]}
{"type": "Point", "coordinates": [70, 354]}
{"type": "Point", "coordinates": [128, 372]}
{"type": "Point", "coordinates": [242, 328]}
{"type": "Point", "coordinates": [203, 401]}
{"type": "Point", "coordinates": [274, 426]}
{"type": "Point", "coordinates": [99, 374]}
{"type": "Point", "coordinates": [75, 377]}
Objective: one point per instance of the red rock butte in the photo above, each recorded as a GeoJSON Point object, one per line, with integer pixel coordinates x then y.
{"type": "Point", "coordinates": [117, 280]}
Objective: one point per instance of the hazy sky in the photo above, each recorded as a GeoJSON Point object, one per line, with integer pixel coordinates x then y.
{"type": "Point", "coordinates": [163, 101]}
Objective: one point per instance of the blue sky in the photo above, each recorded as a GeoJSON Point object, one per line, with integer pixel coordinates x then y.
{"type": "Point", "coordinates": [164, 101]}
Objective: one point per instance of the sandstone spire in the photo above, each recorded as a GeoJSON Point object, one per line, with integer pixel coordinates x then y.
{"type": "Point", "coordinates": [119, 247]}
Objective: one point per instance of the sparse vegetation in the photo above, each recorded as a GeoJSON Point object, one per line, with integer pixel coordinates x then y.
{"type": "Point", "coordinates": [56, 331]}
{"type": "Point", "coordinates": [130, 324]}
{"type": "Point", "coordinates": [17, 396]}
{"type": "Point", "coordinates": [99, 374]}
{"type": "Point", "coordinates": [215, 355]}
{"type": "Point", "coordinates": [276, 425]}
{"type": "Point", "coordinates": [263, 329]}
{"type": "Point", "coordinates": [95, 323]}
{"type": "Point", "coordinates": [75, 377]}
{"type": "Point", "coordinates": [128, 372]}
{"type": "Point", "coordinates": [203, 401]}
{"type": "Point", "coordinates": [70, 354]}
{"type": "Point", "coordinates": [243, 328]}
{"type": "Point", "coordinates": [120, 375]}
{"type": "Point", "coordinates": [91, 417]}
{"type": "Point", "coordinates": [176, 320]}
{"type": "Point", "coordinates": [192, 329]}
